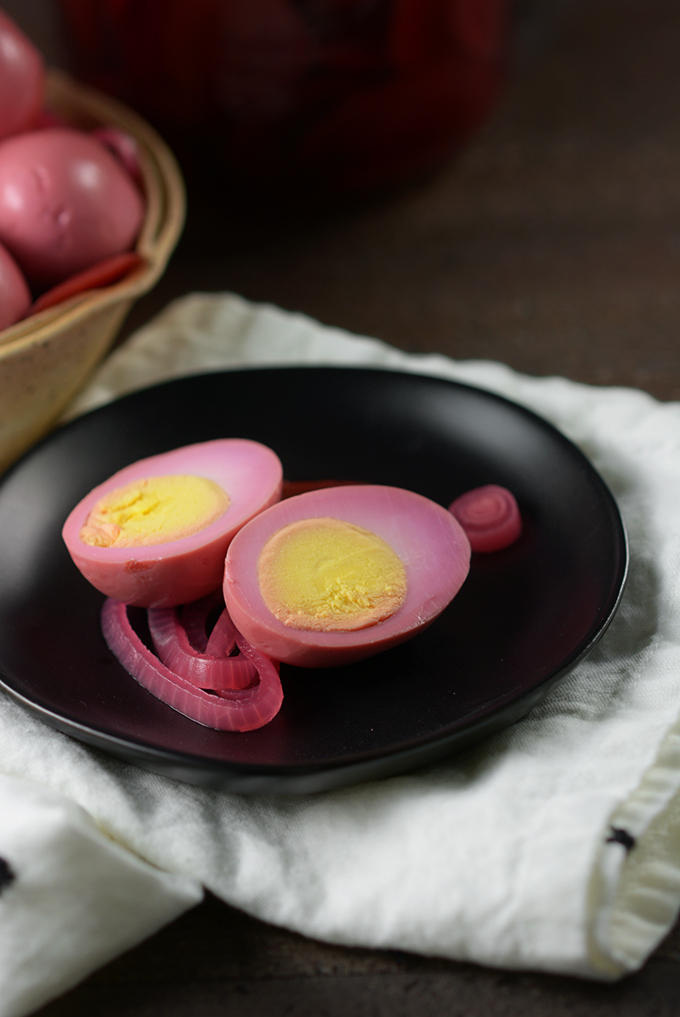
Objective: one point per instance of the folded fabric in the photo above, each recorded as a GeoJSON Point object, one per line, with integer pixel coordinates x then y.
{"type": "Point", "coordinates": [554, 845]}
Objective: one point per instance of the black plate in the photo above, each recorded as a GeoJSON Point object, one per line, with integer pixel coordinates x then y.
{"type": "Point", "coordinates": [522, 620]}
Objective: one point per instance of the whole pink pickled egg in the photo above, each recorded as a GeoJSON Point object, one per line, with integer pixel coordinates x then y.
{"type": "Point", "coordinates": [22, 79]}
{"type": "Point", "coordinates": [156, 533]}
{"type": "Point", "coordinates": [335, 575]}
{"type": "Point", "coordinates": [65, 203]}
{"type": "Point", "coordinates": [15, 297]}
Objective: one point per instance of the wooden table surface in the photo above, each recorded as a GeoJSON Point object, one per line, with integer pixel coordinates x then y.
{"type": "Point", "coordinates": [551, 243]}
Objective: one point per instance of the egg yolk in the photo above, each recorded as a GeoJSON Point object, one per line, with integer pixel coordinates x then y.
{"type": "Point", "coordinates": [329, 575]}
{"type": "Point", "coordinates": [154, 510]}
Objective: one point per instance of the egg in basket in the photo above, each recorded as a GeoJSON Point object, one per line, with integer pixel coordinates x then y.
{"type": "Point", "coordinates": [66, 325]}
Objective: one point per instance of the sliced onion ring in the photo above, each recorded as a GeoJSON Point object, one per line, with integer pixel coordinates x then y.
{"type": "Point", "coordinates": [213, 669]}
{"type": "Point", "coordinates": [228, 710]}
{"type": "Point", "coordinates": [490, 517]}
{"type": "Point", "coordinates": [222, 640]}
{"type": "Point", "coordinates": [195, 616]}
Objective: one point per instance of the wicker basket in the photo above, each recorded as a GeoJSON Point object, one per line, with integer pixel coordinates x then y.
{"type": "Point", "coordinates": [48, 357]}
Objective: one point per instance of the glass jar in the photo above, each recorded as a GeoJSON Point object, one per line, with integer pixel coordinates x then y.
{"type": "Point", "coordinates": [335, 96]}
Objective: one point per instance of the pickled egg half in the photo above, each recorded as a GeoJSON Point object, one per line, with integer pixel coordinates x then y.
{"type": "Point", "coordinates": [335, 575]}
{"type": "Point", "coordinates": [155, 534]}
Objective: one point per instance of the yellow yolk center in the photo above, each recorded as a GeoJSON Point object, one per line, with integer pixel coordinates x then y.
{"type": "Point", "coordinates": [329, 575]}
{"type": "Point", "coordinates": [154, 510]}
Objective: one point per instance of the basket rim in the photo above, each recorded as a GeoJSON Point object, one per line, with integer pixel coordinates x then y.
{"type": "Point", "coordinates": [160, 231]}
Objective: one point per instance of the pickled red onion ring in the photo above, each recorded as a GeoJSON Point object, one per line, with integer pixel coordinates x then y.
{"type": "Point", "coordinates": [213, 669]}
{"type": "Point", "coordinates": [195, 616]}
{"type": "Point", "coordinates": [222, 640]}
{"type": "Point", "coordinates": [228, 710]}
{"type": "Point", "coordinates": [490, 517]}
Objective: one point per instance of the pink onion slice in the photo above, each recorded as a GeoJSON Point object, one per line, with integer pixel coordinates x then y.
{"type": "Point", "coordinates": [194, 618]}
{"type": "Point", "coordinates": [214, 669]}
{"type": "Point", "coordinates": [490, 517]}
{"type": "Point", "coordinates": [259, 660]}
{"type": "Point", "coordinates": [222, 640]}
{"type": "Point", "coordinates": [229, 710]}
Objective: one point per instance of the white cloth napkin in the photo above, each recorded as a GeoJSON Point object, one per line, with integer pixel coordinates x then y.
{"type": "Point", "coordinates": [506, 855]}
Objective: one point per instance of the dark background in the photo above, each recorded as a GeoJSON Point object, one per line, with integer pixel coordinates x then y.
{"type": "Point", "coordinates": [550, 243]}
